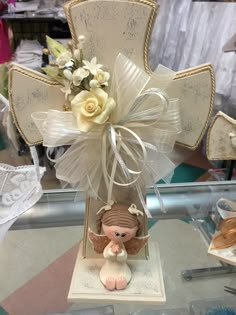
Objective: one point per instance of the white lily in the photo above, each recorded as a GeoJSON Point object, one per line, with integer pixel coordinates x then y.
{"type": "Point", "coordinates": [79, 75]}
{"type": "Point", "coordinates": [92, 66]}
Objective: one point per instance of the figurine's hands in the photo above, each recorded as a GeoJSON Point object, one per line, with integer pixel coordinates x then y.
{"type": "Point", "coordinates": [122, 256]}
{"type": "Point", "coordinates": [115, 248]}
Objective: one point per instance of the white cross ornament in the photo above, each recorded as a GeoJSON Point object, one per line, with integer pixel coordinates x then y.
{"type": "Point", "coordinates": [112, 27]}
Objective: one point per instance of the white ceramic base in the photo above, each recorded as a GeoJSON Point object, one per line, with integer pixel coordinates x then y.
{"type": "Point", "coordinates": [146, 286]}
{"type": "Point", "coordinates": [227, 255]}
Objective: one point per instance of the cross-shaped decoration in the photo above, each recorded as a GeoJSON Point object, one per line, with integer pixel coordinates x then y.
{"type": "Point", "coordinates": [112, 27]}
{"type": "Point", "coordinates": [221, 138]}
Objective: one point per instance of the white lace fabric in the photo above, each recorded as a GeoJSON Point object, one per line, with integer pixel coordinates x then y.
{"type": "Point", "coordinates": [20, 189]}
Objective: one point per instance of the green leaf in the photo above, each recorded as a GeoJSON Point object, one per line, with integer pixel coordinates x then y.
{"type": "Point", "coordinates": [55, 47]}
{"type": "Point", "coordinates": [53, 73]}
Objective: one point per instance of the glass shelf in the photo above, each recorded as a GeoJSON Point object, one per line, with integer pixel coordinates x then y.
{"type": "Point", "coordinates": [38, 255]}
{"type": "Point", "coordinates": [181, 201]}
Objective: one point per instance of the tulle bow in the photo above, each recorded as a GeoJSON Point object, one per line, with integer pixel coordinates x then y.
{"type": "Point", "coordinates": [127, 150]}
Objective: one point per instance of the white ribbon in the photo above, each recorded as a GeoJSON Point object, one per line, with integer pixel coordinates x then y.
{"type": "Point", "coordinates": [129, 150]}
{"type": "Point", "coordinates": [133, 210]}
{"type": "Point", "coordinates": [106, 207]}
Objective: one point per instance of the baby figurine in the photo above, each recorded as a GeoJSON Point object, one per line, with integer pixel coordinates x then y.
{"type": "Point", "coordinates": [121, 226]}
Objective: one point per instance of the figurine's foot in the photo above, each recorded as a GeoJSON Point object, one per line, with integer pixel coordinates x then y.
{"type": "Point", "coordinates": [121, 283]}
{"type": "Point", "coordinates": [110, 283]}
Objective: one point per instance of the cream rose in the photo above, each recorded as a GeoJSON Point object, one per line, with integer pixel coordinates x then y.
{"type": "Point", "coordinates": [92, 107]}
{"type": "Point", "coordinates": [63, 58]}
{"type": "Point", "coordinates": [79, 75]}
{"type": "Point", "coordinates": [102, 77]}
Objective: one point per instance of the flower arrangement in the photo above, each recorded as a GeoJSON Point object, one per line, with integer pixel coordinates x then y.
{"type": "Point", "coordinates": [118, 132]}
{"type": "Point", "coordinates": [84, 83]}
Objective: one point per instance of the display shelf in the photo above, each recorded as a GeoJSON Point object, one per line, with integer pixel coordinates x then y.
{"type": "Point", "coordinates": [40, 283]}
{"type": "Point", "coordinates": [181, 201]}
{"type": "Point", "coordinates": [36, 26]}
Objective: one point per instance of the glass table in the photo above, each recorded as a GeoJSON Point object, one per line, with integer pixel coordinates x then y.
{"type": "Point", "coordinates": [38, 254]}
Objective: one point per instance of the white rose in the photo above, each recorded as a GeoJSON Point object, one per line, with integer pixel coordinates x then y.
{"type": "Point", "coordinates": [79, 75]}
{"type": "Point", "coordinates": [102, 77]}
{"type": "Point", "coordinates": [63, 58]}
{"type": "Point", "coordinates": [92, 107]}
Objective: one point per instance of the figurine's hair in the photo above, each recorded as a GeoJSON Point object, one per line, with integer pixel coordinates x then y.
{"type": "Point", "coordinates": [119, 216]}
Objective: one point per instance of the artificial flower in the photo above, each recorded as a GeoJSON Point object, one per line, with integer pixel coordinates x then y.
{"type": "Point", "coordinates": [94, 84]}
{"type": "Point", "coordinates": [81, 41]}
{"type": "Point", "coordinates": [53, 72]}
{"type": "Point", "coordinates": [63, 58]}
{"type": "Point", "coordinates": [79, 75]}
{"type": "Point", "coordinates": [68, 74]}
{"type": "Point", "coordinates": [102, 77]}
{"type": "Point", "coordinates": [92, 107]}
{"type": "Point", "coordinates": [77, 54]}
{"type": "Point", "coordinates": [66, 89]}
{"type": "Point", "coordinates": [55, 47]}
{"type": "Point", "coordinates": [92, 66]}
{"type": "Point", "coordinates": [129, 131]}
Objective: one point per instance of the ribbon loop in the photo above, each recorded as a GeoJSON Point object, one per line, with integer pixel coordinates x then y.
{"type": "Point", "coordinates": [133, 210]}
{"type": "Point", "coordinates": [143, 110]}
{"type": "Point", "coordinates": [107, 207]}
{"type": "Point", "coordinates": [129, 149]}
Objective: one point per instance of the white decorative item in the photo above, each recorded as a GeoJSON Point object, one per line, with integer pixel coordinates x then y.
{"type": "Point", "coordinates": [121, 227]}
{"type": "Point", "coordinates": [20, 189]}
{"type": "Point", "coordinates": [146, 287]}
{"type": "Point", "coordinates": [31, 91]}
{"type": "Point", "coordinates": [138, 125]}
{"type": "Point", "coordinates": [130, 23]}
{"type": "Point", "coordinates": [118, 121]}
{"type": "Point", "coordinates": [221, 138]}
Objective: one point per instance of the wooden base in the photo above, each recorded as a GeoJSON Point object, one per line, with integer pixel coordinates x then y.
{"type": "Point", "coordinates": [146, 286]}
{"type": "Point", "coordinates": [227, 255]}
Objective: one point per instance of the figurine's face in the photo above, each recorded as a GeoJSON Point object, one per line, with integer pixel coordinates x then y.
{"type": "Point", "coordinates": [119, 234]}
